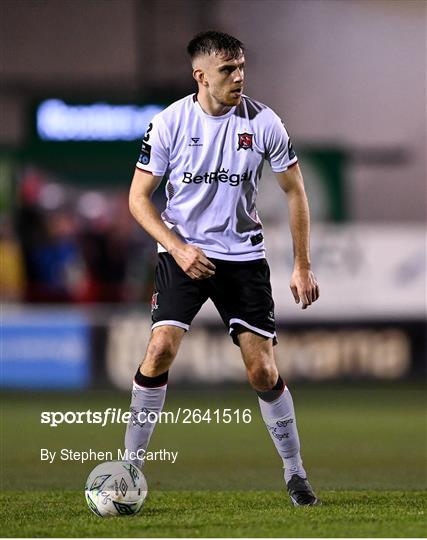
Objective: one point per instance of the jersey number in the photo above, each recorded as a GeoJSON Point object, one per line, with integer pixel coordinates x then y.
{"type": "Point", "coordinates": [147, 133]}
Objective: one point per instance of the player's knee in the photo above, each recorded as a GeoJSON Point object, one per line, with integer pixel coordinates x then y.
{"type": "Point", "coordinates": [161, 350]}
{"type": "Point", "coordinates": [262, 376]}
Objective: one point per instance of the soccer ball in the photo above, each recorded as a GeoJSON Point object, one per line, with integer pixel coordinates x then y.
{"type": "Point", "coordinates": [115, 488]}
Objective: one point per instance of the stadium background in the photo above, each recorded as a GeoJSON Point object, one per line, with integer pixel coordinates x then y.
{"type": "Point", "coordinates": [348, 78]}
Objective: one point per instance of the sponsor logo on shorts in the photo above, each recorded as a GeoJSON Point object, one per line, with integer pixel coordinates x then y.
{"type": "Point", "coordinates": [217, 176]}
{"type": "Point", "coordinates": [154, 303]}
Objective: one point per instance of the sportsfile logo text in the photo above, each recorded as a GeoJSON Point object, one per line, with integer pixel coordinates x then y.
{"type": "Point", "coordinates": [217, 176]}
{"type": "Point", "coordinates": [181, 415]}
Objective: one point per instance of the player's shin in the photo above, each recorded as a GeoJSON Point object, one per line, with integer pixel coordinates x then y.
{"type": "Point", "coordinates": [277, 410]}
{"type": "Point", "coordinates": [148, 397]}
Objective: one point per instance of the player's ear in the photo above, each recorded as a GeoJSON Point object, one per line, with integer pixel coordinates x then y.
{"type": "Point", "coordinates": [199, 76]}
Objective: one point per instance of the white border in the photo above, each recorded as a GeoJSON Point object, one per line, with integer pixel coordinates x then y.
{"type": "Point", "coordinates": [143, 168]}
{"type": "Point", "coordinates": [254, 328]}
{"type": "Point", "coordinates": [171, 323]}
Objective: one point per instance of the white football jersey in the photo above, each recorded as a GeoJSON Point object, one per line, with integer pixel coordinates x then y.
{"type": "Point", "coordinates": [213, 165]}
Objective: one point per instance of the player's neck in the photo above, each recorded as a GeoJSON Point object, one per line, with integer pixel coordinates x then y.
{"type": "Point", "coordinates": [211, 106]}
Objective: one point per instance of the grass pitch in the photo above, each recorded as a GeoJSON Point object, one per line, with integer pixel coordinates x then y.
{"type": "Point", "coordinates": [222, 513]}
{"type": "Point", "coordinates": [364, 447]}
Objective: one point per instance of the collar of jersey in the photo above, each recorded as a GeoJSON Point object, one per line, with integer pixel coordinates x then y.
{"type": "Point", "coordinates": [216, 118]}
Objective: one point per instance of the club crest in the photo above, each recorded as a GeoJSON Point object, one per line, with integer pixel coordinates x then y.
{"type": "Point", "coordinates": [245, 141]}
{"type": "Point", "coordinates": [154, 304]}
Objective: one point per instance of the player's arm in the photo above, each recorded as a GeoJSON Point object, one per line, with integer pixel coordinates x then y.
{"type": "Point", "coordinates": [304, 286]}
{"type": "Point", "coordinates": [190, 258]}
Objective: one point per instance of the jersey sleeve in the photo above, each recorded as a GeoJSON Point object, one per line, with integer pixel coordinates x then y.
{"type": "Point", "coordinates": [279, 150]}
{"type": "Point", "coordinates": [154, 156]}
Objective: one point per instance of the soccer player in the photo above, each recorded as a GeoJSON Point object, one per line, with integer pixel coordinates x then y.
{"type": "Point", "coordinates": [211, 147]}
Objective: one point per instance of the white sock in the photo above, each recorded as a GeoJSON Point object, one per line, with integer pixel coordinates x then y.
{"type": "Point", "coordinates": [279, 417]}
{"type": "Point", "coordinates": [141, 426]}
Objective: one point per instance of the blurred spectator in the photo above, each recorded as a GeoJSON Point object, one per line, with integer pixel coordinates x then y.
{"type": "Point", "coordinates": [29, 224]}
{"type": "Point", "coordinates": [80, 246]}
{"type": "Point", "coordinates": [105, 242]}
{"type": "Point", "coordinates": [48, 237]}
{"type": "Point", "coordinates": [12, 277]}
{"type": "Point", "coordinates": [58, 261]}
{"type": "Point", "coordinates": [56, 265]}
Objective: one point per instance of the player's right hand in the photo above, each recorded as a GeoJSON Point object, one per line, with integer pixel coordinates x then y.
{"type": "Point", "coordinates": [193, 262]}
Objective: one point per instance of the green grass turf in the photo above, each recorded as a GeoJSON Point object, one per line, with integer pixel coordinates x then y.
{"type": "Point", "coordinates": [221, 514]}
{"type": "Point", "coordinates": [364, 446]}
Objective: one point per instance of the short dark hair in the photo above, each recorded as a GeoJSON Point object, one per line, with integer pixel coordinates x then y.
{"type": "Point", "coordinates": [215, 42]}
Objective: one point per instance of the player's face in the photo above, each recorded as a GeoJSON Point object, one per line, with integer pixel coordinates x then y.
{"type": "Point", "coordinates": [225, 79]}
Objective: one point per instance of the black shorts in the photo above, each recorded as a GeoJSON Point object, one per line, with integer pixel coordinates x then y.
{"type": "Point", "coordinates": [241, 292]}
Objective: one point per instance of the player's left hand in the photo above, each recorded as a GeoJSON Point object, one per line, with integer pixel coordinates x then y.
{"type": "Point", "coordinates": [304, 287]}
